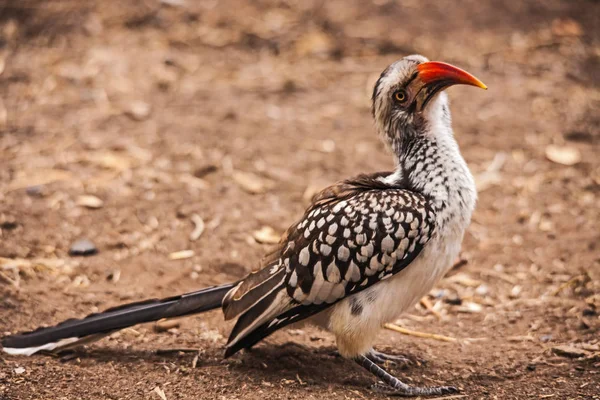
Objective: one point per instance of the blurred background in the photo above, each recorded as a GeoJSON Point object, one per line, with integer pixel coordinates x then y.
{"type": "Point", "coordinates": [153, 147]}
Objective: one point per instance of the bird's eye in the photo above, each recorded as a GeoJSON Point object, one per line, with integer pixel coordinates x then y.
{"type": "Point", "coordinates": [400, 95]}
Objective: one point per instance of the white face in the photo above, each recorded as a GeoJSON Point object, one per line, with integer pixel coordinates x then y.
{"type": "Point", "coordinates": [402, 104]}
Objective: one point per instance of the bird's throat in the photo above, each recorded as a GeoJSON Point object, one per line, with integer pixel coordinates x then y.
{"type": "Point", "coordinates": [433, 166]}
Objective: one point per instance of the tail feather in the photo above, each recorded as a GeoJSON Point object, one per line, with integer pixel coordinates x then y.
{"type": "Point", "coordinates": [75, 332]}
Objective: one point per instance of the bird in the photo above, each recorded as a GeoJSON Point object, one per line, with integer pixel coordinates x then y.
{"type": "Point", "coordinates": [366, 249]}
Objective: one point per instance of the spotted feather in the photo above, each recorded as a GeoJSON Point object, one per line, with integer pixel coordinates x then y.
{"type": "Point", "coordinates": [355, 234]}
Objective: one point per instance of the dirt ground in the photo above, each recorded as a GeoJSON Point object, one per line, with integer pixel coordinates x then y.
{"type": "Point", "coordinates": [127, 123]}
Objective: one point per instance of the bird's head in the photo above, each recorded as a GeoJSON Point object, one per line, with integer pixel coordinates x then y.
{"type": "Point", "coordinates": [408, 98]}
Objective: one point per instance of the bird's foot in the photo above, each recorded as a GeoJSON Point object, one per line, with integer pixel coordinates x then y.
{"type": "Point", "coordinates": [393, 386]}
{"type": "Point", "coordinates": [382, 358]}
{"type": "Point", "coordinates": [404, 390]}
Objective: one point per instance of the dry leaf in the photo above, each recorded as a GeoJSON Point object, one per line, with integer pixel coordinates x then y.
{"type": "Point", "coordinates": [566, 27]}
{"type": "Point", "coordinates": [38, 177]}
{"type": "Point", "coordinates": [199, 227]}
{"type": "Point", "coordinates": [3, 112]}
{"type": "Point", "coordinates": [252, 183]}
{"type": "Point", "coordinates": [315, 43]}
{"type": "Point", "coordinates": [464, 280]}
{"type": "Point", "coordinates": [193, 181]}
{"type": "Point", "coordinates": [89, 201]}
{"type": "Point", "coordinates": [266, 235]}
{"type": "Point", "coordinates": [160, 393]}
{"type": "Point", "coordinates": [563, 155]}
{"type": "Point", "coordinates": [109, 160]}
{"type": "Point", "coordinates": [181, 255]}
{"type": "Point", "coordinates": [486, 180]}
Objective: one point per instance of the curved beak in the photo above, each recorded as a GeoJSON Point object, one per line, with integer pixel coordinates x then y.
{"type": "Point", "coordinates": [436, 76]}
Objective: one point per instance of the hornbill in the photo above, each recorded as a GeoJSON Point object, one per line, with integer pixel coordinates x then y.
{"type": "Point", "coordinates": [366, 249]}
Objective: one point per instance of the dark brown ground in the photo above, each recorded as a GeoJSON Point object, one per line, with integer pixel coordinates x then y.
{"type": "Point", "coordinates": [281, 91]}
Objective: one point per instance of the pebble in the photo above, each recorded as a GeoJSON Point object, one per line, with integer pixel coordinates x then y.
{"type": "Point", "coordinates": [83, 247]}
{"type": "Point", "coordinates": [36, 191]}
{"type": "Point", "coordinates": [89, 201]}
{"type": "Point", "coordinates": [482, 289]}
{"type": "Point", "coordinates": [455, 301]}
{"type": "Point", "coordinates": [545, 338]}
{"type": "Point", "coordinates": [165, 325]}
{"type": "Point", "coordinates": [588, 312]}
{"type": "Point", "coordinates": [138, 110]}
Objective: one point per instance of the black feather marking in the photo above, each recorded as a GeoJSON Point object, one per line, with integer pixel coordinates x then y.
{"type": "Point", "coordinates": [120, 317]}
{"type": "Point", "coordinates": [356, 307]}
{"type": "Point", "coordinates": [249, 317]}
{"type": "Point", "coordinates": [297, 313]}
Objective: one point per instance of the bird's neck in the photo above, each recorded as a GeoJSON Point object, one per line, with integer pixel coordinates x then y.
{"type": "Point", "coordinates": [431, 164]}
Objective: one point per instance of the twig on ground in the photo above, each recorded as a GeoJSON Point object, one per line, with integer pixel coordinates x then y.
{"type": "Point", "coordinates": [425, 335]}
{"type": "Point", "coordinates": [176, 350]}
{"type": "Point", "coordinates": [565, 285]}
{"type": "Point", "coordinates": [427, 304]}
{"type": "Point", "coordinates": [8, 280]}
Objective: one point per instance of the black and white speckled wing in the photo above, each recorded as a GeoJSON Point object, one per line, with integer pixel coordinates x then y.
{"type": "Point", "coordinates": [351, 244]}
{"type": "Point", "coordinates": [355, 234]}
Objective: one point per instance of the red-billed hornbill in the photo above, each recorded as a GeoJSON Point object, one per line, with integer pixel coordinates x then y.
{"type": "Point", "coordinates": [366, 250]}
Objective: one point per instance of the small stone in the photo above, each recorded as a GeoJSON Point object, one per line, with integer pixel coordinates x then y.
{"type": "Point", "coordinates": [470, 307]}
{"type": "Point", "coordinates": [545, 338]}
{"type": "Point", "coordinates": [138, 110]}
{"type": "Point", "coordinates": [564, 155]}
{"type": "Point", "coordinates": [89, 201]}
{"type": "Point", "coordinates": [19, 370]}
{"type": "Point", "coordinates": [165, 324]}
{"type": "Point", "coordinates": [482, 290]}
{"type": "Point", "coordinates": [515, 291]}
{"type": "Point", "coordinates": [454, 301]}
{"type": "Point", "coordinates": [251, 182]}
{"type": "Point", "coordinates": [588, 312]}
{"type": "Point", "coordinates": [36, 190]}
{"type": "Point", "coordinates": [83, 247]}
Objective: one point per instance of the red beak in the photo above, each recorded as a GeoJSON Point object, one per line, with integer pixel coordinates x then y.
{"type": "Point", "coordinates": [435, 71]}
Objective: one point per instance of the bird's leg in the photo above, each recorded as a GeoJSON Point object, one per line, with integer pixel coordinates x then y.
{"type": "Point", "coordinates": [393, 386]}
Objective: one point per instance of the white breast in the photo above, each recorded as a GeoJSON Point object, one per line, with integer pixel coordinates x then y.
{"type": "Point", "coordinates": [385, 301]}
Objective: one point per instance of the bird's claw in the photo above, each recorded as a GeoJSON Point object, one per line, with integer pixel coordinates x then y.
{"type": "Point", "coordinates": [395, 360]}
{"type": "Point", "coordinates": [413, 391]}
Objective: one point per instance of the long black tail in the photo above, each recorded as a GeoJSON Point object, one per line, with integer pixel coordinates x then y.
{"type": "Point", "coordinates": [75, 332]}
